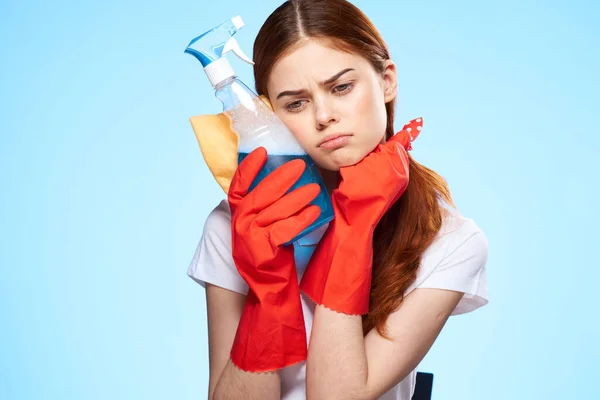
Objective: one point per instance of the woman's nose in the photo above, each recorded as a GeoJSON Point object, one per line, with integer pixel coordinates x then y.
{"type": "Point", "coordinates": [325, 115]}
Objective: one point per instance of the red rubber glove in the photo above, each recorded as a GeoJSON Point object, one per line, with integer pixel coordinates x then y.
{"type": "Point", "coordinates": [271, 333]}
{"type": "Point", "coordinates": [338, 275]}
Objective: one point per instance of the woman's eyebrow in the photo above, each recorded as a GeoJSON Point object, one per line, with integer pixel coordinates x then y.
{"type": "Point", "coordinates": [324, 83]}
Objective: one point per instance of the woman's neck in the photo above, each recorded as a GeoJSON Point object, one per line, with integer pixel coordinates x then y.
{"type": "Point", "coordinates": [330, 178]}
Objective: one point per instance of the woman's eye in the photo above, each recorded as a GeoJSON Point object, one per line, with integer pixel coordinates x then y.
{"type": "Point", "coordinates": [342, 89]}
{"type": "Point", "coordinates": [295, 106]}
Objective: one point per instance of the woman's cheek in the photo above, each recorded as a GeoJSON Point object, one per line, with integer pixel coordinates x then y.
{"type": "Point", "coordinates": [294, 126]}
{"type": "Point", "coordinates": [374, 122]}
{"type": "Point", "coordinates": [302, 137]}
{"type": "Point", "coordinates": [363, 104]}
{"type": "Point", "coordinates": [366, 126]}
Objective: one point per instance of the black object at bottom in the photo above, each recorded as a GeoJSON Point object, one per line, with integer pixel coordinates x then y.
{"type": "Point", "coordinates": [423, 387]}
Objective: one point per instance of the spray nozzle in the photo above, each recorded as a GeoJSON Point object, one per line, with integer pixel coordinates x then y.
{"type": "Point", "coordinates": [211, 47]}
{"type": "Point", "coordinates": [233, 45]}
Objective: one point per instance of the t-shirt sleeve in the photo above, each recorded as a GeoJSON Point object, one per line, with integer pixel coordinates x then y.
{"type": "Point", "coordinates": [463, 268]}
{"type": "Point", "coordinates": [212, 261]}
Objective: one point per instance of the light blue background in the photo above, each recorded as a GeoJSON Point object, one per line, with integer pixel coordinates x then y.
{"type": "Point", "coordinates": [105, 192]}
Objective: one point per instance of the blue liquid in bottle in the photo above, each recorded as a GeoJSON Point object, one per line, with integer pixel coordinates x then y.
{"type": "Point", "coordinates": [310, 175]}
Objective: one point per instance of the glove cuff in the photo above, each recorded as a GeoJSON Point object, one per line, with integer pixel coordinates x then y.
{"type": "Point", "coordinates": [269, 337]}
{"type": "Point", "coordinates": [338, 275]}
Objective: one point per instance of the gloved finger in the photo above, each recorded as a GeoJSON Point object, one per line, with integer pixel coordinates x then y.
{"type": "Point", "coordinates": [288, 205]}
{"type": "Point", "coordinates": [409, 133]}
{"type": "Point", "coordinates": [245, 174]}
{"type": "Point", "coordinates": [398, 157]}
{"type": "Point", "coordinates": [275, 185]}
{"type": "Point", "coordinates": [285, 230]}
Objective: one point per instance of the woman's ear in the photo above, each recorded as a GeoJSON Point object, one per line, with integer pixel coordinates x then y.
{"type": "Point", "coordinates": [390, 81]}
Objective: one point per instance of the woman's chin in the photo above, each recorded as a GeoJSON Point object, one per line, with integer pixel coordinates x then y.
{"type": "Point", "coordinates": [340, 158]}
{"type": "Point", "coordinates": [335, 165]}
{"type": "Point", "coordinates": [346, 158]}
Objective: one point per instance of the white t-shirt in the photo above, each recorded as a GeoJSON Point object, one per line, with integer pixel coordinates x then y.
{"type": "Point", "coordinates": [456, 260]}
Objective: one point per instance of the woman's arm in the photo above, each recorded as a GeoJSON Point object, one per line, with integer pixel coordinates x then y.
{"type": "Point", "coordinates": [224, 309]}
{"type": "Point", "coordinates": [343, 365]}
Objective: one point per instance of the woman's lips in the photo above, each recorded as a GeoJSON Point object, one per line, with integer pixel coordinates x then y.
{"type": "Point", "coordinates": [335, 142]}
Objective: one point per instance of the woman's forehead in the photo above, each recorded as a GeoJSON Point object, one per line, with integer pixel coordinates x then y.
{"type": "Point", "coordinates": [313, 60]}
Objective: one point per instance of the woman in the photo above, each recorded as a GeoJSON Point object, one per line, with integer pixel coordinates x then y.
{"type": "Point", "coordinates": [352, 316]}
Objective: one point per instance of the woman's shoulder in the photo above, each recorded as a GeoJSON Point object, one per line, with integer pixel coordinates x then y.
{"type": "Point", "coordinates": [218, 221]}
{"type": "Point", "coordinates": [457, 260]}
{"type": "Point", "coordinates": [212, 262]}
{"type": "Point", "coordinates": [456, 229]}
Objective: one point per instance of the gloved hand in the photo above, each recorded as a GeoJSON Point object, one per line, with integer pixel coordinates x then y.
{"type": "Point", "coordinates": [338, 275]}
{"type": "Point", "coordinates": [271, 333]}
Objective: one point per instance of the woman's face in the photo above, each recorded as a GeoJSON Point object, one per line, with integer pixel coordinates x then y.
{"type": "Point", "coordinates": [333, 102]}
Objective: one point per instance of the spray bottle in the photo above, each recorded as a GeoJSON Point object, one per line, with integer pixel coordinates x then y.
{"type": "Point", "coordinates": [251, 119]}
